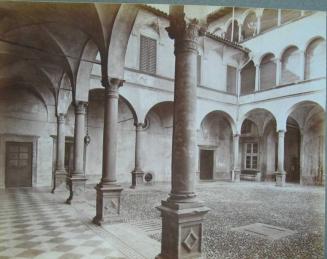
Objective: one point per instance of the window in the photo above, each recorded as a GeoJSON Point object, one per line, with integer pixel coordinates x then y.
{"type": "Point", "coordinates": [231, 79]}
{"type": "Point", "coordinates": [148, 55]}
{"type": "Point", "coordinates": [251, 155]}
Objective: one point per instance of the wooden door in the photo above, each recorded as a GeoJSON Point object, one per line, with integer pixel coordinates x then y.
{"type": "Point", "coordinates": [18, 164]}
{"type": "Point", "coordinates": [206, 164]}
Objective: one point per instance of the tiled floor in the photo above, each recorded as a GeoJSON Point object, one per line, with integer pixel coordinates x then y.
{"type": "Point", "coordinates": [36, 225]}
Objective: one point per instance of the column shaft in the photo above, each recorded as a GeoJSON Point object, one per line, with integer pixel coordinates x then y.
{"type": "Point", "coordinates": [257, 78]}
{"type": "Point", "coordinates": [79, 134]}
{"type": "Point", "coordinates": [278, 71]}
{"type": "Point", "coordinates": [236, 163]}
{"type": "Point", "coordinates": [302, 65]}
{"type": "Point", "coordinates": [61, 143]}
{"type": "Point", "coordinates": [279, 17]}
{"type": "Point", "coordinates": [281, 174]}
{"type": "Point", "coordinates": [137, 174]}
{"type": "Point", "coordinates": [110, 132]}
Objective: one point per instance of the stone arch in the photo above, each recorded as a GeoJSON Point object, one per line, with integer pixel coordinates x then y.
{"type": "Point", "coordinates": [315, 58]}
{"type": "Point", "coordinates": [290, 64]}
{"type": "Point", "coordinates": [267, 71]}
{"type": "Point", "coordinates": [228, 31]}
{"type": "Point", "coordinates": [249, 22]}
{"type": "Point", "coordinates": [164, 110]}
{"type": "Point", "coordinates": [248, 78]}
{"type": "Point", "coordinates": [227, 116]}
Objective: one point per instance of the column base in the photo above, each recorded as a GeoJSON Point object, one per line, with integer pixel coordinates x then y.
{"type": "Point", "coordinates": [280, 179]}
{"type": "Point", "coordinates": [76, 185]}
{"type": "Point", "coordinates": [236, 175]}
{"type": "Point", "coordinates": [59, 181]}
{"type": "Point", "coordinates": [137, 178]}
{"type": "Point", "coordinates": [107, 202]}
{"type": "Point", "coordinates": [181, 229]}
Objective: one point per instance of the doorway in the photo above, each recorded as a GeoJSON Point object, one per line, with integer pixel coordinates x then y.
{"type": "Point", "coordinates": [292, 151]}
{"type": "Point", "coordinates": [206, 164]}
{"type": "Point", "coordinates": [18, 164]}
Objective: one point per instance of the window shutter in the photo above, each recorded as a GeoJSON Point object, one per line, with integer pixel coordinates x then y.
{"type": "Point", "coordinates": [148, 55]}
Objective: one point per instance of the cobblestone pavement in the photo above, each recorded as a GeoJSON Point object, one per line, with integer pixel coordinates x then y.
{"type": "Point", "coordinates": [294, 207]}
{"type": "Point", "coordinates": [37, 224]}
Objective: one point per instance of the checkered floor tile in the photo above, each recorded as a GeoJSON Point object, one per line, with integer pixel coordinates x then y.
{"type": "Point", "coordinates": [35, 225]}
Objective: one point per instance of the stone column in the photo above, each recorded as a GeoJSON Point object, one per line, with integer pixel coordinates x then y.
{"type": "Point", "coordinates": [236, 167]}
{"type": "Point", "coordinates": [301, 155]}
{"type": "Point", "coordinates": [137, 174]}
{"type": "Point", "coordinates": [182, 214]}
{"type": "Point", "coordinates": [258, 25]}
{"type": "Point", "coordinates": [302, 65]}
{"type": "Point", "coordinates": [281, 174]}
{"type": "Point", "coordinates": [76, 181]}
{"type": "Point", "coordinates": [257, 78]}
{"type": "Point", "coordinates": [278, 71]}
{"type": "Point", "coordinates": [59, 180]}
{"type": "Point", "coordinates": [108, 191]}
{"type": "Point", "coordinates": [279, 17]}
{"type": "Point", "coordinates": [240, 32]}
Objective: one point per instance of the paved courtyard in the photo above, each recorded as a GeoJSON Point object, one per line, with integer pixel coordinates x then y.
{"type": "Point", "coordinates": [246, 220]}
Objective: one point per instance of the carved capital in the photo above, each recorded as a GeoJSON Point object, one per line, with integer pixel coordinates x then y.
{"type": "Point", "coordinates": [80, 107]}
{"type": "Point", "coordinates": [185, 34]}
{"type": "Point", "coordinates": [111, 86]}
{"type": "Point", "coordinates": [61, 118]}
{"type": "Point", "coordinates": [139, 126]}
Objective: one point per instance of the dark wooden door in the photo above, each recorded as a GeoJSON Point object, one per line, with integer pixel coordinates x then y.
{"type": "Point", "coordinates": [18, 164]}
{"type": "Point", "coordinates": [206, 164]}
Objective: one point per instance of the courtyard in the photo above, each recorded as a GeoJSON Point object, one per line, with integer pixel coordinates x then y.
{"type": "Point", "coordinates": [246, 220]}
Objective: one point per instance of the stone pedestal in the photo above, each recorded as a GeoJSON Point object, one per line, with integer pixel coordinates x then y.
{"type": "Point", "coordinates": [280, 179]}
{"type": "Point", "coordinates": [59, 181]}
{"type": "Point", "coordinates": [76, 185]}
{"type": "Point", "coordinates": [137, 178]}
{"type": "Point", "coordinates": [236, 174]}
{"type": "Point", "coordinates": [107, 202]}
{"type": "Point", "coordinates": [181, 230]}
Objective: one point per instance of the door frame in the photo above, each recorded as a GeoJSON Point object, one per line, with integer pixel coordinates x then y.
{"type": "Point", "coordinates": [210, 148]}
{"type": "Point", "coordinates": [17, 138]}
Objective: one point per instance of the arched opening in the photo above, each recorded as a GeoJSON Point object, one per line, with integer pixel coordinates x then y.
{"type": "Point", "coordinates": [292, 151]}
{"type": "Point", "coordinates": [267, 72]}
{"type": "Point", "coordinates": [290, 65]}
{"type": "Point", "coordinates": [304, 144]}
{"type": "Point", "coordinates": [249, 27]}
{"type": "Point", "coordinates": [248, 79]}
{"type": "Point", "coordinates": [258, 145]}
{"type": "Point", "coordinates": [268, 19]}
{"type": "Point", "coordinates": [315, 59]}
{"type": "Point", "coordinates": [215, 147]}
{"type": "Point", "coordinates": [232, 31]}
{"type": "Point", "coordinates": [125, 137]}
{"type": "Point", "coordinates": [158, 133]}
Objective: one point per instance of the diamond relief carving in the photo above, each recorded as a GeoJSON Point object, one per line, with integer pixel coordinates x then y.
{"type": "Point", "coordinates": [190, 240]}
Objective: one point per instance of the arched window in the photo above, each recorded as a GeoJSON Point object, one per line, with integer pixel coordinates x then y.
{"type": "Point", "coordinates": [268, 72]}
{"type": "Point", "coordinates": [315, 59]}
{"type": "Point", "coordinates": [228, 34]}
{"type": "Point", "coordinates": [268, 19]}
{"type": "Point", "coordinates": [249, 26]}
{"type": "Point", "coordinates": [291, 65]}
{"type": "Point", "coordinates": [248, 79]}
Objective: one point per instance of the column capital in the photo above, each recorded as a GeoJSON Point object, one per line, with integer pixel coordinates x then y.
{"type": "Point", "coordinates": [185, 33]}
{"type": "Point", "coordinates": [61, 118]}
{"type": "Point", "coordinates": [111, 82]}
{"type": "Point", "coordinates": [139, 125]}
{"type": "Point", "coordinates": [281, 132]}
{"type": "Point", "coordinates": [236, 135]}
{"type": "Point", "coordinates": [80, 107]}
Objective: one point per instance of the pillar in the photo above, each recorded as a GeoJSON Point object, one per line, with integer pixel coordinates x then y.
{"type": "Point", "coordinates": [281, 174]}
{"type": "Point", "coordinates": [108, 191]}
{"type": "Point", "coordinates": [258, 25]}
{"type": "Point", "coordinates": [137, 174]}
{"type": "Point", "coordinates": [257, 77]}
{"type": "Point", "coordinates": [76, 180]}
{"type": "Point", "coordinates": [236, 167]}
{"type": "Point", "coordinates": [302, 65]}
{"type": "Point", "coordinates": [240, 32]}
{"type": "Point", "coordinates": [182, 214]}
{"type": "Point", "coordinates": [238, 88]}
{"type": "Point", "coordinates": [278, 71]}
{"type": "Point", "coordinates": [59, 181]}
{"type": "Point", "coordinates": [279, 17]}
{"type": "Point", "coordinates": [301, 155]}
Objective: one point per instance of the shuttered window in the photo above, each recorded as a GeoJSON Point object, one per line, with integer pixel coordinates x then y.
{"type": "Point", "coordinates": [148, 55]}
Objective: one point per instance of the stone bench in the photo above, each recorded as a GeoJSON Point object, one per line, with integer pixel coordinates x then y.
{"type": "Point", "coordinates": [251, 175]}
